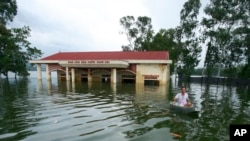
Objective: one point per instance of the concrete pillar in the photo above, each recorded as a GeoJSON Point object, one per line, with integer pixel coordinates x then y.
{"type": "Point", "coordinates": [89, 85]}
{"type": "Point", "coordinates": [73, 86]}
{"type": "Point", "coordinates": [73, 74]}
{"type": "Point", "coordinates": [139, 78]}
{"type": "Point", "coordinates": [113, 86]}
{"type": "Point", "coordinates": [39, 72]}
{"type": "Point", "coordinates": [67, 74]}
{"type": "Point", "coordinates": [68, 85]}
{"type": "Point", "coordinates": [113, 75]}
{"type": "Point", "coordinates": [114, 89]}
{"type": "Point", "coordinates": [49, 85]}
{"type": "Point", "coordinates": [163, 77]}
{"type": "Point", "coordinates": [167, 73]}
{"type": "Point", "coordinates": [39, 85]}
{"type": "Point", "coordinates": [89, 76]}
{"type": "Point", "coordinates": [47, 72]}
{"type": "Point", "coordinates": [139, 88]}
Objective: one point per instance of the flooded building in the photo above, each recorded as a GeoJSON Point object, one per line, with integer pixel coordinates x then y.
{"type": "Point", "coordinates": [111, 67]}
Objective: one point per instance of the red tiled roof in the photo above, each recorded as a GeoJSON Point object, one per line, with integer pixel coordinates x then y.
{"type": "Point", "coordinates": [112, 55]}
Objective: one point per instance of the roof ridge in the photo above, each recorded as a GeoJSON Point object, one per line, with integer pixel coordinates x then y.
{"type": "Point", "coordinates": [107, 51]}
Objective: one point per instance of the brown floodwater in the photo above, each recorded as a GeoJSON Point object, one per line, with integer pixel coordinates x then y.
{"type": "Point", "coordinates": [33, 110]}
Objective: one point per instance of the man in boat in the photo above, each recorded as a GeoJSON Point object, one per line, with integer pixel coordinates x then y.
{"type": "Point", "coordinates": [182, 98]}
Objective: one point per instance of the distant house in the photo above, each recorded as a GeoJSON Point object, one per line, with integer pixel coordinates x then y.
{"type": "Point", "coordinates": [113, 66]}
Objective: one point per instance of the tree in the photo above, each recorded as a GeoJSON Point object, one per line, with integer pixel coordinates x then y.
{"type": "Point", "coordinates": [15, 49]}
{"type": "Point", "coordinates": [137, 32]}
{"type": "Point", "coordinates": [187, 39]}
{"type": "Point", "coordinates": [164, 40]}
{"type": "Point", "coordinates": [141, 38]}
{"type": "Point", "coordinates": [226, 33]}
{"type": "Point", "coordinates": [8, 10]}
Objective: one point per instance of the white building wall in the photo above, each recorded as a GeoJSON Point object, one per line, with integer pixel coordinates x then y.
{"type": "Point", "coordinates": [159, 72]}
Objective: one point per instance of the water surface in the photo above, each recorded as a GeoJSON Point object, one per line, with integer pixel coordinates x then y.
{"type": "Point", "coordinates": [55, 111]}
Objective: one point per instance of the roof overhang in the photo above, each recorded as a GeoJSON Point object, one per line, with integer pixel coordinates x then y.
{"type": "Point", "coordinates": [150, 61]}
{"type": "Point", "coordinates": [94, 64]}
{"type": "Point", "coordinates": [100, 62]}
{"type": "Point", "coordinates": [44, 61]}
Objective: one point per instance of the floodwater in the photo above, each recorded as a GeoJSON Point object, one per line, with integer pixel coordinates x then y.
{"type": "Point", "coordinates": [33, 110]}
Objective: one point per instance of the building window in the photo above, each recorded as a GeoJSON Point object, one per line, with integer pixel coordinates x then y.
{"type": "Point", "coordinates": [151, 82]}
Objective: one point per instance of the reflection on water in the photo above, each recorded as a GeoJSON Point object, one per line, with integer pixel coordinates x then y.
{"type": "Point", "coordinates": [43, 110]}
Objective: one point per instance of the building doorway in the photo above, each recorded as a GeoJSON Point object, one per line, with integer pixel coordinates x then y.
{"type": "Point", "coordinates": [106, 78]}
{"type": "Point", "coordinates": [84, 77]}
{"type": "Point", "coordinates": [128, 79]}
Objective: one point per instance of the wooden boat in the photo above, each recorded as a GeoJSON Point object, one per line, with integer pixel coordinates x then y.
{"type": "Point", "coordinates": [182, 109]}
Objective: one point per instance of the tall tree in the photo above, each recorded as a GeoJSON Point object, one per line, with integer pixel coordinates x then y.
{"type": "Point", "coordinates": [15, 49]}
{"type": "Point", "coordinates": [137, 32]}
{"type": "Point", "coordinates": [188, 39]}
{"type": "Point", "coordinates": [226, 32]}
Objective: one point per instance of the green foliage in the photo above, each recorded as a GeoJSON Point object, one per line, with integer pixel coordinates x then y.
{"type": "Point", "coordinates": [188, 39]}
{"type": "Point", "coordinates": [197, 71]}
{"type": "Point", "coordinates": [245, 72]}
{"type": "Point", "coordinates": [137, 32]}
{"type": "Point", "coordinates": [141, 38]}
{"type": "Point", "coordinates": [8, 10]}
{"type": "Point", "coordinates": [164, 40]}
{"type": "Point", "coordinates": [15, 49]}
{"type": "Point", "coordinates": [226, 33]}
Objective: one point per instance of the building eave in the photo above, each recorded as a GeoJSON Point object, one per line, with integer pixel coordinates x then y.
{"type": "Point", "coordinates": [44, 61]}
{"type": "Point", "coordinates": [150, 61]}
{"type": "Point", "coordinates": [94, 64]}
{"type": "Point", "coordinates": [128, 61]}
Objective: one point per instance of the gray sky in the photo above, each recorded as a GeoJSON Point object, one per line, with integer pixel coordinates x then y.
{"type": "Point", "coordinates": [89, 25]}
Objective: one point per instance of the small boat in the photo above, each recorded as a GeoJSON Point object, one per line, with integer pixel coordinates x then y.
{"type": "Point", "coordinates": [182, 109]}
{"type": "Point", "coordinates": [175, 135]}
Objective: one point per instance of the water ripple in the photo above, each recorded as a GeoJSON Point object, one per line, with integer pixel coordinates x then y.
{"type": "Point", "coordinates": [92, 132]}
{"type": "Point", "coordinates": [101, 113]}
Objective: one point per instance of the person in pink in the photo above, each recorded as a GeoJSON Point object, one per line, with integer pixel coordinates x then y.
{"type": "Point", "coordinates": [182, 98]}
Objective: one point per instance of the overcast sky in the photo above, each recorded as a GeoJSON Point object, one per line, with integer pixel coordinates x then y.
{"type": "Point", "coordinates": [89, 25]}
